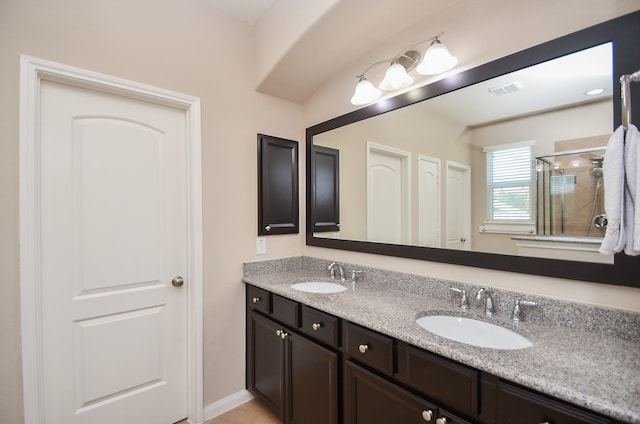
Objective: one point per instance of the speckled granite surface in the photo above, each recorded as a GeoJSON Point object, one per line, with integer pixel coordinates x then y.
{"type": "Point", "coordinates": [586, 355]}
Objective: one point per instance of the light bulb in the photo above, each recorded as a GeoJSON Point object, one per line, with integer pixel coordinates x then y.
{"type": "Point", "coordinates": [365, 92]}
{"type": "Point", "coordinates": [436, 60]}
{"type": "Point", "coordinates": [395, 78]}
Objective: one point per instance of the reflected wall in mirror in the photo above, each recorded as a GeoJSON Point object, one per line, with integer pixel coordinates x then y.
{"type": "Point", "coordinates": [433, 180]}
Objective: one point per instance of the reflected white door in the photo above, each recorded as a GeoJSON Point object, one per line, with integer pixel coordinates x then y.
{"type": "Point", "coordinates": [429, 201]}
{"type": "Point", "coordinates": [458, 206]}
{"type": "Point", "coordinates": [113, 235]}
{"type": "Point", "coordinates": [388, 206]}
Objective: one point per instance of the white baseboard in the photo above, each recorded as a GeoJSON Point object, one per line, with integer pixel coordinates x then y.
{"type": "Point", "coordinates": [223, 405]}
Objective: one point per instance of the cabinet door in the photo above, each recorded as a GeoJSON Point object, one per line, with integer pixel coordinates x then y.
{"type": "Point", "coordinates": [325, 189]}
{"type": "Point", "coordinates": [370, 399]}
{"type": "Point", "coordinates": [312, 382]}
{"type": "Point", "coordinates": [277, 185]}
{"type": "Point", "coordinates": [265, 360]}
{"type": "Point", "coordinates": [520, 406]}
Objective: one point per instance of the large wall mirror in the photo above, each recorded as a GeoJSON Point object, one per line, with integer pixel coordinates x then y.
{"type": "Point", "coordinates": [499, 166]}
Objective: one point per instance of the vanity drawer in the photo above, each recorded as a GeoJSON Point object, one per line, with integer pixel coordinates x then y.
{"type": "Point", "coordinates": [286, 311]}
{"type": "Point", "coordinates": [258, 299]}
{"type": "Point", "coordinates": [448, 382]}
{"type": "Point", "coordinates": [517, 405]}
{"type": "Point", "coordinates": [368, 347]}
{"type": "Point", "coordinates": [320, 325]}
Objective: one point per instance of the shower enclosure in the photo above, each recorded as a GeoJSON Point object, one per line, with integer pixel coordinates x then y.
{"type": "Point", "coordinates": [570, 194]}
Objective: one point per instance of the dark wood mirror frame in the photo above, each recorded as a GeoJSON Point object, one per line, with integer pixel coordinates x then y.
{"type": "Point", "coordinates": [624, 32]}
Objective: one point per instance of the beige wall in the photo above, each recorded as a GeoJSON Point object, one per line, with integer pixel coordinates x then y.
{"type": "Point", "coordinates": [477, 32]}
{"type": "Point", "coordinates": [186, 46]}
{"type": "Point", "coordinates": [180, 45]}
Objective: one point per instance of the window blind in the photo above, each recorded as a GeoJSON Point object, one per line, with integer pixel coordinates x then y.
{"type": "Point", "coordinates": [509, 184]}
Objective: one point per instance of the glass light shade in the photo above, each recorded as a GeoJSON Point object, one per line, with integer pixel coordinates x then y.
{"type": "Point", "coordinates": [437, 59]}
{"type": "Point", "coordinates": [395, 78]}
{"type": "Point", "coordinates": [365, 92]}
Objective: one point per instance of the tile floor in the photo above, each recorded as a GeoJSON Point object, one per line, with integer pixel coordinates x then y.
{"type": "Point", "coordinates": [252, 412]}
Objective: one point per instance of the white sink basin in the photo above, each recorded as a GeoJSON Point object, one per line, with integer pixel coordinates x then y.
{"type": "Point", "coordinates": [473, 332]}
{"type": "Point", "coordinates": [318, 287]}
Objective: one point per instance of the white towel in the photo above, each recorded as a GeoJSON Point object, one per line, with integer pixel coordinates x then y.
{"type": "Point", "coordinates": [631, 220]}
{"type": "Point", "coordinates": [614, 187]}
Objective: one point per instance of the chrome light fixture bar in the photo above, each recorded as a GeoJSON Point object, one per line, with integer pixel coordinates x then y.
{"type": "Point", "coordinates": [437, 59]}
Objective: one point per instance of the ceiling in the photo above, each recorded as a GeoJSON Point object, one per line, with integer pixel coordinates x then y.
{"type": "Point", "coordinates": [308, 60]}
{"type": "Point", "coordinates": [248, 11]}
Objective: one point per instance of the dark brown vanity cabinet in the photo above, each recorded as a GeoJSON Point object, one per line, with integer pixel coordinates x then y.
{"type": "Point", "coordinates": [311, 367]}
{"type": "Point", "coordinates": [325, 189]}
{"type": "Point", "coordinates": [293, 375]}
{"type": "Point", "coordinates": [277, 186]}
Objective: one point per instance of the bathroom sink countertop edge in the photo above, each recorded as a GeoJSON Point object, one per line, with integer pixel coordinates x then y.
{"type": "Point", "coordinates": [598, 372]}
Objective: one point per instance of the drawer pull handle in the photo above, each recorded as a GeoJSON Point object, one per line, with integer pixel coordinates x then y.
{"type": "Point", "coordinates": [363, 348]}
{"type": "Point", "coordinates": [427, 415]}
{"type": "Point", "coordinates": [441, 420]}
{"type": "Point", "coordinates": [256, 299]}
{"type": "Point", "coordinates": [316, 326]}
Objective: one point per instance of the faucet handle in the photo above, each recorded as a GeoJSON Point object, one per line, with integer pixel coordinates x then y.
{"type": "Point", "coordinates": [517, 314]}
{"type": "Point", "coordinates": [354, 273]}
{"type": "Point", "coordinates": [464, 301]}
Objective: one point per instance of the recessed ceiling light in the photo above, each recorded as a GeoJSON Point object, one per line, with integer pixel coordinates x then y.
{"type": "Point", "coordinates": [594, 92]}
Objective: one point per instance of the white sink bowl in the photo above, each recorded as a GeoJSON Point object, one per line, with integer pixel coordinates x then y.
{"type": "Point", "coordinates": [318, 287]}
{"type": "Point", "coordinates": [473, 332]}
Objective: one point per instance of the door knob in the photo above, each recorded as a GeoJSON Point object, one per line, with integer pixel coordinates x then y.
{"type": "Point", "coordinates": [177, 281]}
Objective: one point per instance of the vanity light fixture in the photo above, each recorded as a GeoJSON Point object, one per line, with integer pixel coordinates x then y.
{"type": "Point", "coordinates": [437, 59]}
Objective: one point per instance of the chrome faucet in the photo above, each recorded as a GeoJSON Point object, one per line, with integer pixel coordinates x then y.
{"type": "Point", "coordinates": [332, 269]}
{"type": "Point", "coordinates": [486, 294]}
{"type": "Point", "coordinates": [464, 301]}
{"type": "Point", "coordinates": [517, 314]}
{"type": "Point", "coordinates": [354, 273]}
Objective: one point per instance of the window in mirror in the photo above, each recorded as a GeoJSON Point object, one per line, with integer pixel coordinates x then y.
{"type": "Point", "coordinates": [509, 183]}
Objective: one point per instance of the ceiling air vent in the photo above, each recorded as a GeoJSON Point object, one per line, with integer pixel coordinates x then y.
{"type": "Point", "coordinates": [512, 87]}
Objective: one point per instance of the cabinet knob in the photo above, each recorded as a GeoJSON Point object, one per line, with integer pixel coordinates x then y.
{"type": "Point", "coordinates": [278, 333]}
{"type": "Point", "coordinates": [256, 299]}
{"type": "Point", "coordinates": [267, 228]}
{"type": "Point", "coordinates": [427, 415]}
{"type": "Point", "coordinates": [284, 335]}
{"type": "Point", "coordinates": [441, 420]}
{"type": "Point", "coordinates": [363, 348]}
{"type": "Point", "coordinates": [316, 326]}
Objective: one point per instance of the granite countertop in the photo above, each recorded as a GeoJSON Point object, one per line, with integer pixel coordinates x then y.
{"type": "Point", "coordinates": [593, 368]}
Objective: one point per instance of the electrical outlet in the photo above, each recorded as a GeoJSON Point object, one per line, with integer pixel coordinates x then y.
{"type": "Point", "coordinates": [261, 246]}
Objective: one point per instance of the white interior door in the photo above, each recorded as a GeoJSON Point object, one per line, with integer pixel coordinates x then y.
{"type": "Point", "coordinates": [113, 235]}
{"type": "Point", "coordinates": [388, 204]}
{"type": "Point", "coordinates": [458, 206]}
{"type": "Point", "coordinates": [429, 201]}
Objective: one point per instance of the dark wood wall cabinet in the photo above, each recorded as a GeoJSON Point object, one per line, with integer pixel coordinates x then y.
{"type": "Point", "coordinates": [325, 189]}
{"type": "Point", "coordinates": [310, 367]}
{"type": "Point", "coordinates": [278, 205]}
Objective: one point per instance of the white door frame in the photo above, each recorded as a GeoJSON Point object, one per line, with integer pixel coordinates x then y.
{"type": "Point", "coordinates": [32, 72]}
